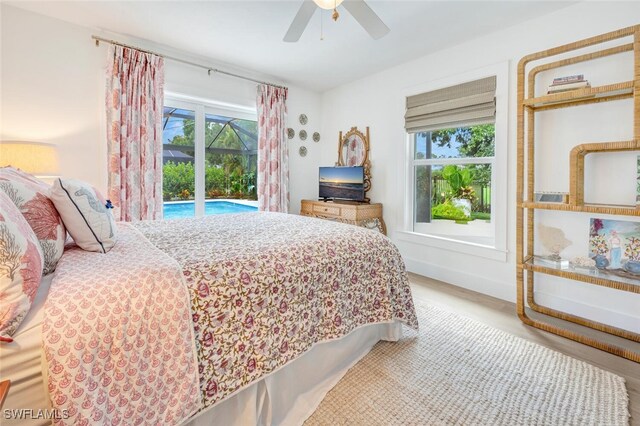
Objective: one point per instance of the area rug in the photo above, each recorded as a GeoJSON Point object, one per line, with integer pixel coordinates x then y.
{"type": "Point", "coordinates": [459, 371]}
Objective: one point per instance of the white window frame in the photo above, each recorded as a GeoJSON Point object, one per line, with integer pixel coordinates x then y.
{"type": "Point", "coordinates": [499, 171]}
{"type": "Point", "coordinates": [201, 107]}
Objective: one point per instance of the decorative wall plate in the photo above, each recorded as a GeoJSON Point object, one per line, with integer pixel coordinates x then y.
{"type": "Point", "coordinates": [303, 135]}
{"type": "Point", "coordinates": [302, 151]}
{"type": "Point", "coordinates": [316, 137]}
{"type": "Point", "coordinates": [290, 133]}
{"type": "Point", "coordinates": [303, 119]}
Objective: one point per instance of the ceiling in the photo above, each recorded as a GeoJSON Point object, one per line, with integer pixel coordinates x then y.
{"type": "Point", "coordinates": [248, 34]}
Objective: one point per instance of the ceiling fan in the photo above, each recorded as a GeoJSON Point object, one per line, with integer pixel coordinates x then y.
{"type": "Point", "coordinates": [357, 8]}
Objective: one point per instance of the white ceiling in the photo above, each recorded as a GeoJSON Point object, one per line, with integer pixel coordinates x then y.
{"type": "Point", "coordinates": [249, 34]}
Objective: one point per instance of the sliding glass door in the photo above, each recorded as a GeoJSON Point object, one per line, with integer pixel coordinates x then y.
{"type": "Point", "coordinates": [209, 160]}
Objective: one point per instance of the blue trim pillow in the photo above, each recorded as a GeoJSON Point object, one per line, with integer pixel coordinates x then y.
{"type": "Point", "coordinates": [85, 213]}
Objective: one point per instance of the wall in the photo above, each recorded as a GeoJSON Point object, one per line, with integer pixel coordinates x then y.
{"type": "Point", "coordinates": [377, 101]}
{"type": "Point", "coordinates": [52, 90]}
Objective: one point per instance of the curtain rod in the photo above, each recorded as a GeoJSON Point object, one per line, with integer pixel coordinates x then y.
{"type": "Point", "coordinates": [193, 64]}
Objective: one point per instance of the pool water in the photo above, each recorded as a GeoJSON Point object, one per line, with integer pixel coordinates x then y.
{"type": "Point", "coordinates": [188, 209]}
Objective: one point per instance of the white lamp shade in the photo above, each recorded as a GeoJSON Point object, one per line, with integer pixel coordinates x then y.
{"type": "Point", "coordinates": [327, 4]}
{"type": "Point", "coordinates": [38, 159]}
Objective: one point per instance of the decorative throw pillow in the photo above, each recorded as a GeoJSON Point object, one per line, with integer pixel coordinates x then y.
{"type": "Point", "coordinates": [20, 267]}
{"type": "Point", "coordinates": [30, 195]}
{"type": "Point", "coordinates": [86, 214]}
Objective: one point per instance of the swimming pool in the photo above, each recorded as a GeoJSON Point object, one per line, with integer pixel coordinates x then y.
{"type": "Point", "coordinates": [188, 208]}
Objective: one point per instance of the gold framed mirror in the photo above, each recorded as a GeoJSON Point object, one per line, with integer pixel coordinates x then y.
{"type": "Point", "coordinates": [353, 150]}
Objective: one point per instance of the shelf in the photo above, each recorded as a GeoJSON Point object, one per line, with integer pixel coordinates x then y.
{"type": "Point", "coordinates": [613, 209]}
{"type": "Point", "coordinates": [597, 277]}
{"type": "Point", "coordinates": [577, 97]}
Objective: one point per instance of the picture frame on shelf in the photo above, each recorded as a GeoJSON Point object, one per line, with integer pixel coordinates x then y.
{"type": "Point", "coordinates": [614, 245]}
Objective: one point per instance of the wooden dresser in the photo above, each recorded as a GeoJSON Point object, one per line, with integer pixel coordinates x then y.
{"type": "Point", "coordinates": [366, 215]}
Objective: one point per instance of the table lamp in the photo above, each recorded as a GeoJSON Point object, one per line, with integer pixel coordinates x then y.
{"type": "Point", "coordinates": [38, 159]}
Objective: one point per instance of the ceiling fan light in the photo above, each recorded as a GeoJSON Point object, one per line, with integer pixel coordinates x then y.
{"type": "Point", "coordinates": [327, 4]}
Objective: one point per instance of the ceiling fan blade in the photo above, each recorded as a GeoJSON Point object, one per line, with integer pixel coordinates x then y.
{"type": "Point", "coordinates": [367, 18]}
{"type": "Point", "coordinates": [301, 21]}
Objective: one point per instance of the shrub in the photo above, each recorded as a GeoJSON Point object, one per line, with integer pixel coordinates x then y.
{"type": "Point", "coordinates": [447, 210]}
{"type": "Point", "coordinates": [177, 178]}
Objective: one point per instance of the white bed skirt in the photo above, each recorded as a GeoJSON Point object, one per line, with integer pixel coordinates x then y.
{"type": "Point", "coordinates": [286, 397]}
{"type": "Point", "coordinates": [291, 394]}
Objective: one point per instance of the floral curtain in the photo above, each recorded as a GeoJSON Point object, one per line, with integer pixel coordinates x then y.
{"type": "Point", "coordinates": [134, 100]}
{"type": "Point", "coordinates": [273, 155]}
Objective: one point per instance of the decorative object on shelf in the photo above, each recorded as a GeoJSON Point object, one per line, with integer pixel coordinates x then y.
{"type": "Point", "coordinates": [583, 264]}
{"type": "Point", "coordinates": [303, 119]}
{"type": "Point", "coordinates": [316, 137]}
{"type": "Point", "coordinates": [290, 133]}
{"type": "Point", "coordinates": [353, 150]}
{"type": "Point", "coordinates": [570, 82]}
{"type": "Point", "coordinates": [302, 151]}
{"type": "Point", "coordinates": [618, 242]}
{"type": "Point", "coordinates": [554, 241]}
{"type": "Point", "coordinates": [607, 249]}
{"type": "Point", "coordinates": [302, 135]}
{"type": "Point", "coordinates": [551, 197]}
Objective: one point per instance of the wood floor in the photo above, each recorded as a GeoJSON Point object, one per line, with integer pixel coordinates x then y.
{"type": "Point", "coordinates": [502, 315]}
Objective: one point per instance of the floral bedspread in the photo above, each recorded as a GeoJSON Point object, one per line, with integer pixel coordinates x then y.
{"type": "Point", "coordinates": [266, 287]}
{"type": "Point", "coordinates": [117, 337]}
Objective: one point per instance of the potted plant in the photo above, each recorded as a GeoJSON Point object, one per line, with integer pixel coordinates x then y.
{"type": "Point", "coordinates": [461, 191]}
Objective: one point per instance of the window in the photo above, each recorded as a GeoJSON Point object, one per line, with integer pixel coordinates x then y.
{"type": "Point", "coordinates": [209, 161]}
{"type": "Point", "coordinates": [454, 137]}
{"type": "Point", "coordinates": [452, 181]}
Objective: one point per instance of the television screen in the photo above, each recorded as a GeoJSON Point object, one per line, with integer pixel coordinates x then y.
{"type": "Point", "coordinates": [345, 183]}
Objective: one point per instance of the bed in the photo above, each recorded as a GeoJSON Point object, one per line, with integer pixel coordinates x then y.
{"type": "Point", "coordinates": [278, 307]}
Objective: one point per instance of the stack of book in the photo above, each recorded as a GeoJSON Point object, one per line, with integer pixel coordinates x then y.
{"type": "Point", "coordinates": [570, 82]}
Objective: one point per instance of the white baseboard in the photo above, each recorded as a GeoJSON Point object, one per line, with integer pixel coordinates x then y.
{"type": "Point", "coordinates": [507, 291]}
{"type": "Point", "coordinates": [504, 291]}
{"type": "Point", "coordinates": [595, 313]}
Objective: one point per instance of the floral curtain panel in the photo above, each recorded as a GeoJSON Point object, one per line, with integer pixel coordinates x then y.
{"type": "Point", "coordinates": [273, 155]}
{"type": "Point", "coordinates": [134, 100]}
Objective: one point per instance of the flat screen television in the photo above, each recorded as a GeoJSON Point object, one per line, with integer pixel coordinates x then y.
{"type": "Point", "coordinates": [342, 183]}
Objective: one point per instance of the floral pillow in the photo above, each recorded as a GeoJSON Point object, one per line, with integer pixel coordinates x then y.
{"type": "Point", "coordinates": [20, 267]}
{"type": "Point", "coordinates": [31, 196]}
{"type": "Point", "coordinates": [86, 214]}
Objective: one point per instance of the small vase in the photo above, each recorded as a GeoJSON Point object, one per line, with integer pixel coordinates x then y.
{"type": "Point", "coordinates": [601, 261]}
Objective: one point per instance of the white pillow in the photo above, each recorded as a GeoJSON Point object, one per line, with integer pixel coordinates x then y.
{"type": "Point", "coordinates": [85, 214]}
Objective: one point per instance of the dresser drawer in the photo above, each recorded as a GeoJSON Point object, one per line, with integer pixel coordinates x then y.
{"type": "Point", "coordinates": [326, 210]}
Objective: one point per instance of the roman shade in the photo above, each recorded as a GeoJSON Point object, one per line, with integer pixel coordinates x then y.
{"type": "Point", "coordinates": [461, 105]}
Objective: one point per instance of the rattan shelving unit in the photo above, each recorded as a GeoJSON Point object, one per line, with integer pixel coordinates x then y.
{"type": "Point", "coordinates": [528, 105]}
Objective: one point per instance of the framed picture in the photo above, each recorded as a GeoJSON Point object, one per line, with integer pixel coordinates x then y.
{"type": "Point", "coordinates": [615, 246]}
{"type": "Point", "coordinates": [551, 197]}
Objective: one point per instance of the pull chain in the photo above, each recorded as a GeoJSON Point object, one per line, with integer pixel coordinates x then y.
{"type": "Point", "coordinates": [335, 14]}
